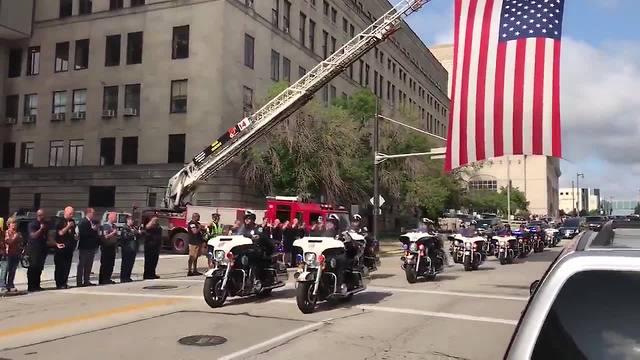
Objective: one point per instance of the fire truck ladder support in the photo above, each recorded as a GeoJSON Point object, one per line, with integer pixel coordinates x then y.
{"type": "Point", "coordinates": [238, 138]}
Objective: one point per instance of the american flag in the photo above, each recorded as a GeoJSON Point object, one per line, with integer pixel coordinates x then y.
{"type": "Point", "coordinates": [506, 80]}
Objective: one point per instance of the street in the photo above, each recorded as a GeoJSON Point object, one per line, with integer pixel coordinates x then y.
{"type": "Point", "coordinates": [462, 315]}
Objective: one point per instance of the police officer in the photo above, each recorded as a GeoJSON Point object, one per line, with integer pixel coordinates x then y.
{"type": "Point", "coordinates": [251, 230]}
{"type": "Point", "coordinates": [129, 244]}
{"type": "Point", "coordinates": [65, 245]}
{"type": "Point", "coordinates": [108, 247]}
{"type": "Point", "coordinates": [37, 250]}
{"type": "Point", "coordinates": [356, 223]}
{"type": "Point", "coordinates": [332, 230]}
{"type": "Point", "coordinates": [196, 239]}
{"type": "Point", "coordinates": [214, 228]}
{"type": "Point", "coordinates": [152, 242]}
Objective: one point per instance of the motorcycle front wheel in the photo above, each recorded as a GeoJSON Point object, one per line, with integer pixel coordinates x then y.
{"type": "Point", "coordinates": [214, 296]}
{"type": "Point", "coordinates": [468, 266]}
{"type": "Point", "coordinates": [305, 299]}
{"type": "Point", "coordinates": [412, 276]}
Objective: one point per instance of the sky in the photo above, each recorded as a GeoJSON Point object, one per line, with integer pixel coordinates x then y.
{"type": "Point", "coordinates": [600, 89]}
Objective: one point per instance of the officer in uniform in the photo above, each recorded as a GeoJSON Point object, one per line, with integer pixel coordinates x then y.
{"type": "Point", "coordinates": [65, 245]}
{"type": "Point", "coordinates": [129, 244]}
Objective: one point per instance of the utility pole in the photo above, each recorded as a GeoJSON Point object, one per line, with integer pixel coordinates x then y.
{"type": "Point", "coordinates": [573, 198]}
{"type": "Point", "coordinates": [376, 195]}
{"type": "Point", "coordinates": [579, 197]}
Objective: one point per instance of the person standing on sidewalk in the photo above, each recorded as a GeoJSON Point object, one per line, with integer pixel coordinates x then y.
{"type": "Point", "coordinates": [87, 244]}
{"type": "Point", "coordinates": [13, 242]}
{"type": "Point", "coordinates": [196, 239]}
{"type": "Point", "coordinates": [129, 243]}
{"type": "Point", "coordinates": [152, 241]}
{"type": "Point", "coordinates": [37, 250]}
{"type": "Point", "coordinates": [4, 258]}
{"type": "Point", "coordinates": [108, 249]}
{"type": "Point", "coordinates": [65, 246]}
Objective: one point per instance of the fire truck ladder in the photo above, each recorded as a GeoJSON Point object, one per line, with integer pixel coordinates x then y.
{"type": "Point", "coordinates": [238, 138]}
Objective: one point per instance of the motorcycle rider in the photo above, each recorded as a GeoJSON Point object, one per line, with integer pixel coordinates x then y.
{"type": "Point", "coordinates": [332, 230]}
{"type": "Point", "coordinates": [356, 223]}
{"type": "Point", "coordinates": [250, 230]}
{"type": "Point", "coordinates": [427, 226]}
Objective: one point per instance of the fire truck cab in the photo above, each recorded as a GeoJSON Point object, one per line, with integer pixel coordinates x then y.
{"type": "Point", "coordinates": [287, 208]}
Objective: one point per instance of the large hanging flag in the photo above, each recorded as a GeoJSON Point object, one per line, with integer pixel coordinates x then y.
{"type": "Point", "coordinates": [505, 95]}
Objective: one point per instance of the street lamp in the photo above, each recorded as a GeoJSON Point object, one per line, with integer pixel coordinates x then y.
{"type": "Point", "coordinates": [578, 176]}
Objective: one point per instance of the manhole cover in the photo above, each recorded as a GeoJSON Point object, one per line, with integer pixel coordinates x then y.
{"type": "Point", "coordinates": [202, 340]}
{"type": "Point", "coordinates": [160, 287]}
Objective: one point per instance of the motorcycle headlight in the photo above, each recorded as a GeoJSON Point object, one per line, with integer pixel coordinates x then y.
{"type": "Point", "coordinates": [467, 246]}
{"type": "Point", "coordinates": [413, 247]}
{"type": "Point", "coordinates": [219, 255]}
{"type": "Point", "coordinates": [333, 263]}
{"type": "Point", "coordinates": [310, 258]}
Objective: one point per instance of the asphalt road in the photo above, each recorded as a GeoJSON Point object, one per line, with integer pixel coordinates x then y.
{"type": "Point", "coordinates": [461, 315]}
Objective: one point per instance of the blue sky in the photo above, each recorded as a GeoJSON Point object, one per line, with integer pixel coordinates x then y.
{"type": "Point", "coordinates": [600, 88]}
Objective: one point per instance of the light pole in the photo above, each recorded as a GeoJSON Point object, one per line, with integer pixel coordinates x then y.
{"type": "Point", "coordinates": [573, 198]}
{"type": "Point", "coordinates": [579, 197]}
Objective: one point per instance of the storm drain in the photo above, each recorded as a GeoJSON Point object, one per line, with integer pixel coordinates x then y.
{"type": "Point", "coordinates": [160, 287]}
{"type": "Point", "coordinates": [202, 340]}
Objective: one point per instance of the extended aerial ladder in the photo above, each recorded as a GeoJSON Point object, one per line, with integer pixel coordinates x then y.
{"type": "Point", "coordinates": [239, 137]}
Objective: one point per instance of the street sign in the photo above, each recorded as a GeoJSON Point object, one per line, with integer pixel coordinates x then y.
{"type": "Point", "coordinates": [381, 201]}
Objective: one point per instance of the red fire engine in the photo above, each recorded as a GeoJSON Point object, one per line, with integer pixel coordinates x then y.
{"type": "Point", "coordinates": [286, 208]}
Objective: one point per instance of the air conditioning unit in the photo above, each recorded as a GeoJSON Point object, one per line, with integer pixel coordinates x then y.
{"type": "Point", "coordinates": [79, 115]}
{"type": "Point", "coordinates": [11, 121]}
{"type": "Point", "coordinates": [58, 117]}
{"type": "Point", "coordinates": [130, 112]}
{"type": "Point", "coordinates": [285, 28]}
{"type": "Point", "coordinates": [107, 114]}
{"type": "Point", "coordinates": [29, 119]}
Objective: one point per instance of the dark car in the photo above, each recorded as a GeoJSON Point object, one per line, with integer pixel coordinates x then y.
{"type": "Point", "coordinates": [594, 222]}
{"type": "Point", "coordinates": [570, 228]}
{"type": "Point", "coordinates": [533, 224]}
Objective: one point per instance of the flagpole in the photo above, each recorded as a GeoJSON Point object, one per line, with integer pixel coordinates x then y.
{"type": "Point", "coordinates": [508, 190]}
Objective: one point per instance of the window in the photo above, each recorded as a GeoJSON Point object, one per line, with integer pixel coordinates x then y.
{"type": "Point", "coordinates": [26, 154]}
{"type": "Point", "coordinates": [132, 98]}
{"type": "Point", "coordinates": [176, 148]}
{"type": "Point", "coordinates": [490, 185]}
{"type": "Point", "coordinates": [303, 28]}
{"type": "Point", "coordinates": [332, 94]}
{"type": "Point", "coordinates": [381, 83]}
{"type": "Point", "coordinates": [375, 82]}
{"type": "Point", "coordinates": [79, 102]}
{"type": "Point", "coordinates": [116, 4]}
{"type": "Point", "coordinates": [11, 107]}
{"type": "Point", "coordinates": [334, 15]}
{"type": "Point", "coordinates": [345, 24]}
{"type": "Point", "coordinates": [381, 58]}
{"type": "Point", "coordinates": [313, 3]}
{"type": "Point", "coordinates": [275, 13]}
{"type": "Point", "coordinates": [351, 71]}
{"type": "Point", "coordinates": [62, 57]}
{"type": "Point", "coordinates": [286, 17]}
{"type": "Point", "coordinates": [15, 62]}
{"type": "Point", "coordinates": [352, 31]}
{"type": "Point", "coordinates": [107, 151]}
{"type": "Point", "coordinates": [8, 155]}
{"type": "Point", "coordinates": [103, 196]}
{"type": "Point", "coordinates": [66, 8]}
{"type": "Point", "coordinates": [361, 73]}
{"type": "Point", "coordinates": [333, 45]}
{"type": "Point", "coordinates": [248, 51]}
{"type": "Point", "coordinates": [112, 51]}
{"type": "Point", "coordinates": [366, 75]}
{"type": "Point", "coordinates": [312, 35]}
{"type": "Point", "coordinates": [137, 3]}
{"type": "Point", "coordinates": [389, 90]}
{"type": "Point", "coordinates": [33, 60]}
{"type": "Point", "coordinates": [134, 48]}
{"type": "Point", "coordinates": [247, 101]}
{"type": "Point", "coordinates": [275, 65]}
{"type": "Point", "coordinates": [129, 150]}
{"type": "Point", "coordinates": [180, 43]}
{"type": "Point", "coordinates": [301, 71]}
{"type": "Point", "coordinates": [325, 44]}
{"type": "Point", "coordinates": [30, 106]}
{"type": "Point", "coordinates": [325, 7]}
{"type": "Point", "coordinates": [153, 198]}
{"type": "Point", "coordinates": [59, 102]}
{"type": "Point", "coordinates": [84, 7]}
{"type": "Point", "coordinates": [56, 150]}
{"type": "Point", "coordinates": [76, 152]}
{"type": "Point", "coordinates": [325, 95]}
{"type": "Point", "coordinates": [82, 54]}
{"type": "Point", "coordinates": [110, 99]}
{"type": "Point", "coordinates": [179, 90]}
{"type": "Point", "coordinates": [393, 94]}
{"type": "Point", "coordinates": [609, 334]}
{"type": "Point", "coordinates": [286, 69]}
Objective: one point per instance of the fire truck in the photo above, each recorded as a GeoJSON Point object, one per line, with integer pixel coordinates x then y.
{"type": "Point", "coordinates": [288, 208]}
{"type": "Point", "coordinates": [247, 131]}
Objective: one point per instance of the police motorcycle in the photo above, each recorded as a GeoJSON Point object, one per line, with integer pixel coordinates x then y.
{"type": "Point", "coordinates": [423, 257]}
{"type": "Point", "coordinates": [524, 241]}
{"type": "Point", "coordinates": [469, 249]}
{"type": "Point", "coordinates": [244, 265]}
{"type": "Point", "coordinates": [537, 239]}
{"type": "Point", "coordinates": [552, 236]}
{"type": "Point", "coordinates": [507, 248]}
{"type": "Point", "coordinates": [332, 267]}
{"type": "Point", "coordinates": [371, 259]}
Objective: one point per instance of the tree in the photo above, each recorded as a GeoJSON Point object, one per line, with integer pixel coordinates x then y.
{"type": "Point", "coordinates": [637, 209]}
{"type": "Point", "coordinates": [491, 201]}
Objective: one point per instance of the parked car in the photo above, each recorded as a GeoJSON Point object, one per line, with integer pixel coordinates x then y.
{"type": "Point", "coordinates": [121, 218]}
{"type": "Point", "coordinates": [585, 305]}
{"type": "Point", "coordinates": [571, 227]}
{"type": "Point", "coordinates": [77, 215]}
{"type": "Point", "coordinates": [594, 222]}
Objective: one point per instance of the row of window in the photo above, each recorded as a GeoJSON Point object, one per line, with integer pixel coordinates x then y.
{"type": "Point", "coordinates": [75, 152]}
{"type": "Point", "coordinates": [85, 7]}
{"type": "Point", "coordinates": [487, 185]}
{"type": "Point", "coordinates": [179, 50]}
{"type": "Point", "coordinates": [110, 95]}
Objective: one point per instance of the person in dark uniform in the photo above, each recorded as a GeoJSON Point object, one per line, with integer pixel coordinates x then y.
{"type": "Point", "coordinates": [152, 241]}
{"type": "Point", "coordinates": [129, 244]}
{"type": "Point", "coordinates": [196, 239]}
{"type": "Point", "coordinates": [37, 250]}
{"type": "Point", "coordinates": [88, 236]}
{"type": "Point", "coordinates": [65, 246]}
{"type": "Point", "coordinates": [255, 233]}
{"type": "Point", "coordinates": [108, 246]}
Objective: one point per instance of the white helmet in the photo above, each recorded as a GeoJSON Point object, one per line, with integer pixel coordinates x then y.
{"type": "Point", "coordinates": [249, 214]}
{"type": "Point", "coordinates": [357, 217]}
{"type": "Point", "coordinates": [333, 217]}
{"type": "Point", "coordinates": [427, 221]}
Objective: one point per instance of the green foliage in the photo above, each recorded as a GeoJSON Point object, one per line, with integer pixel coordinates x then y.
{"type": "Point", "coordinates": [492, 201]}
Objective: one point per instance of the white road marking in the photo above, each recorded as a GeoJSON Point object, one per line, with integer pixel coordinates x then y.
{"type": "Point", "coordinates": [273, 341]}
{"type": "Point", "coordinates": [450, 293]}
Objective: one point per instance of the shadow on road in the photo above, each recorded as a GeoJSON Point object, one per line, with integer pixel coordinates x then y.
{"type": "Point", "coordinates": [381, 276]}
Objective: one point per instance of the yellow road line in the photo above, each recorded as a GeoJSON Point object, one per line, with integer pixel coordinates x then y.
{"type": "Point", "coordinates": [91, 316]}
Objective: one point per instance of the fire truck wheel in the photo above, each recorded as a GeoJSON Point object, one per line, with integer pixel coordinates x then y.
{"type": "Point", "coordinates": [180, 243]}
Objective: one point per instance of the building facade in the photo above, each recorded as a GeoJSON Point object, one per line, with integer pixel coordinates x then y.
{"type": "Point", "coordinates": [537, 176]}
{"type": "Point", "coordinates": [587, 199]}
{"type": "Point", "coordinates": [106, 99]}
